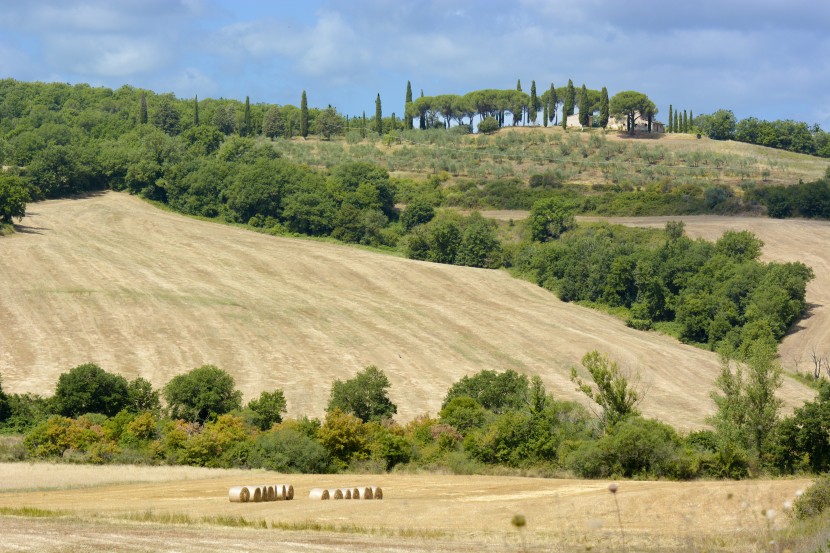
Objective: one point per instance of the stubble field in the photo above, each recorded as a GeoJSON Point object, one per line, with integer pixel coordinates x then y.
{"type": "Point", "coordinates": [143, 292]}
{"type": "Point", "coordinates": [186, 510]}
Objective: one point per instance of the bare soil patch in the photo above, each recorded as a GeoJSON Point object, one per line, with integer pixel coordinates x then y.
{"type": "Point", "coordinates": [418, 513]}
{"type": "Point", "coordinates": [144, 292]}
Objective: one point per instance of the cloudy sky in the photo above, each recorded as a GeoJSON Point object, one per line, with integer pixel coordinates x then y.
{"type": "Point", "coordinates": [764, 58]}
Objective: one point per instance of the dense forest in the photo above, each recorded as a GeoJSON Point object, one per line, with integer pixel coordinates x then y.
{"type": "Point", "coordinates": [238, 163]}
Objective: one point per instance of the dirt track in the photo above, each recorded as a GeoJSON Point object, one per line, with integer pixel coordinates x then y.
{"type": "Point", "coordinates": [143, 292]}
{"type": "Point", "coordinates": [418, 513]}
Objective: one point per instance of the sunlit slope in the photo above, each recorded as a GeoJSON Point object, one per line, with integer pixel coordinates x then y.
{"type": "Point", "coordinates": [144, 292]}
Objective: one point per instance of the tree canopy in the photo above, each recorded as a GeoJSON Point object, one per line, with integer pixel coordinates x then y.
{"type": "Point", "coordinates": [202, 394]}
{"type": "Point", "coordinates": [631, 106]}
{"type": "Point", "coordinates": [364, 396]}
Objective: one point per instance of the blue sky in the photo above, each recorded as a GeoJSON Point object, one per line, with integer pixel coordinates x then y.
{"type": "Point", "coordinates": [764, 58]}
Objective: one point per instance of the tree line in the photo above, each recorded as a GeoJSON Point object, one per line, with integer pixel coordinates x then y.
{"type": "Point", "coordinates": [487, 420]}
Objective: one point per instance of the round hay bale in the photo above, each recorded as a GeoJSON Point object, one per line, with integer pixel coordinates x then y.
{"type": "Point", "coordinates": [272, 493]}
{"type": "Point", "coordinates": [347, 493]}
{"type": "Point", "coordinates": [362, 493]}
{"type": "Point", "coordinates": [279, 492]}
{"type": "Point", "coordinates": [287, 491]}
{"type": "Point", "coordinates": [377, 493]}
{"type": "Point", "coordinates": [257, 497]}
{"type": "Point", "coordinates": [335, 493]}
{"type": "Point", "coordinates": [239, 494]}
{"type": "Point", "coordinates": [318, 493]}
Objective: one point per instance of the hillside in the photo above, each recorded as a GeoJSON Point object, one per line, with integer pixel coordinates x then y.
{"type": "Point", "coordinates": [144, 292]}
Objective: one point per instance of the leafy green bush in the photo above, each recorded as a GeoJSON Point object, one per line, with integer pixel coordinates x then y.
{"type": "Point", "coordinates": [288, 450]}
{"type": "Point", "coordinates": [815, 500]}
{"type": "Point", "coordinates": [488, 125]}
{"type": "Point", "coordinates": [90, 389]}
{"type": "Point", "coordinates": [202, 394]}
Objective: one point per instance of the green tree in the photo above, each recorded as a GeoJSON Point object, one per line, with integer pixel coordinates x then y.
{"type": "Point", "coordinates": [142, 397]}
{"type": "Point", "coordinates": [5, 409]}
{"type": "Point", "coordinates": [364, 395]}
{"type": "Point", "coordinates": [272, 123]}
{"type": "Point", "coordinates": [671, 121]}
{"type": "Point", "coordinates": [496, 392]}
{"type": "Point", "coordinates": [570, 99]}
{"type": "Point", "coordinates": [202, 394]}
{"type": "Point", "coordinates": [142, 118]}
{"type": "Point", "coordinates": [553, 102]}
{"type": "Point", "coordinates": [378, 116]}
{"type": "Point", "coordinates": [245, 128]}
{"type": "Point", "coordinates": [166, 115]}
{"type": "Point", "coordinates": [196, 111]}
{"type": "Point", "coordinates": [533, 107]}
{"type": "Point", "coordinates": [224, 117]}
{"type": "Point", "coordinates": [328, 123]}
{"type": "Point", "coordinates": [345, 437]}
{"type": "Point", "coordinates": [718, 126]}
{"type": "Point", "coordinates": [14, 195]}
{"type": "Point", "coordinates": [417, 212]}
{"type": "Point", "coordinates": [268, 409]}
{"type": "Point", "coordinates": [747, 409]}
{"type": "Point", "coordinates": [304, 115]}
{"type": "Point", "coordinates": [90, 389]}
{"type": "Point", "coordinates": [463, 413]}
{"type": "Point", "coordinates": [604, 112]}
{"type": "Point", "coordinates": [631, 105]}
{"type": "Point", "coordinates": [407, 104]}
{"type": "Point", "coordinates": [488, 125]}
{"type": "Point", "coordinates": [549, 219]}
{"type": "Point", "coordinates": [584, 115]}
{"type": "Point", "coordinates": [611, 390]}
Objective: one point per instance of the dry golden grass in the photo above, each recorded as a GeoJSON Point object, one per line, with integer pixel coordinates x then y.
{"type": "Point", "coordinates": [143, 292]}
{"type": "Point", "coordinates": [418, 512]}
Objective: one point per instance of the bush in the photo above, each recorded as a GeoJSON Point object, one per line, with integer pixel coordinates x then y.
{"type": "Point", "coordinates": [288, 450]}
{"type": "Point", "coordinates": [488, 125]}
{"type": "Point", "coordinates": [364, 396]}
{"type": "Point", "coordinates": [815, 500]}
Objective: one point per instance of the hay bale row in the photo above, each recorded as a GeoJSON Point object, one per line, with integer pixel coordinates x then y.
{"type": "Point", "coordinates": [261, 492]}
{"type": "Point", "coordinates": [359, 492]}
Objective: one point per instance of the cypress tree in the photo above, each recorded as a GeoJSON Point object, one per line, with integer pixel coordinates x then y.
{"type": "Point", "coordinates": [685, 122]}
{"type": "Point", "coordinates": [545, 114]}
{"type": "Point", "coordinates": [584, 116]}
{"type": "Point", "coordinates": [408, 116]}
{"type": "Point", "coordinates": [552, 101]}
{"type": "Point", "coordinates": [363, 126]}
{"type": "Point", "coordinates": [245, 129]}
{"type": "Point", "coordinates": [604, 113]}
{"type": "Point", "coordinates": [519, 85]}
{"type": "Point", "coordinates": [570, 98]}
{"type": "Point", "coordinates": [378, 117]}
{"type": "Point", "coordinates": [671, 122]}
{"type": "Point", "coordinates": [143, 115]}
{"type": "Point", "coordinates": [196, 111]}
{"type": "Point", "coordinates": [691, 120]}
{"type": "Point", "coordinates": [304, 116]}
{"type": "Point", "coordinates": [676, 121]}
{"type": "Point", "coordinates": [534, 104]}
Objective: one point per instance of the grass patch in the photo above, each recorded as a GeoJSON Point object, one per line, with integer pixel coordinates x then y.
{"type": "Point", "coordinates": [31, 512]}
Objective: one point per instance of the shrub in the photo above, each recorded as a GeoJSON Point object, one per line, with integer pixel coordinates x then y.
{"type": "Point", "coordinates": [488, 125]}
{"type": "Point", "coordinates": [288, 450]}
{"type": "Point", "coordinates": [815, 500]}
{"type": "Point", "coordinates": [345, 437]}
{"type": "Point", "coordinates": [364, 396]}
{"type": "Point", "coordinates": [268, 409]}
{"type": "Point", "coordinates": [463, 413]}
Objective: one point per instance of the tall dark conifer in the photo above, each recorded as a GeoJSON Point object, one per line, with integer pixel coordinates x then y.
{"type": "Point", "coordinates": [363, 126]}
{"type": "Point", "coordinates": [519, 85]}
{"type": "Point", "coordinates": [545, 114]}
{"type": "Point", "coordinates": [584, 115]}
{"type": "Point", "coordinates": [685, 123]}
{"type": "Point", "coordinates": [143, 114]}
{"type": "Point", "coordinates": [304, 116]}
{"type": "Point", "coordinates": [691, 120]}
{"type": "Point", "coordinates": [378, 116]}
{"type": "Point", "coordinates": [604, 112]}
{"type": "Point", "coordinates": [553, 100]}
{"type": "Point", "coordinates": [570, 98]}
{"type": "Point", "coordinates": [196, 111]}
{"type": "Point", "coordinates": [245, 129]}
{"type": "Point", "coordinates": [407, 114]}
{"type": "Point", "coordinates": [533, 108]}
{"type": "Point", "coordinates": [671, 121]}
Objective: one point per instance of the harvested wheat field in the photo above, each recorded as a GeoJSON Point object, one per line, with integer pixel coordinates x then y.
{"type": "Point", "coordinates": [159, 509]}
{"type": "Point", "coordinates": [113, 280]}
